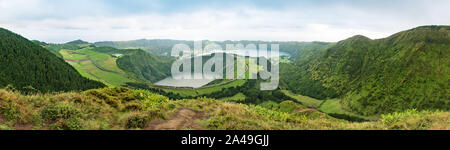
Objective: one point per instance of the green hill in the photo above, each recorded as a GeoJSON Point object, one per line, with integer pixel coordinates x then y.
{"type": "Point", "coordinates": [122, 108]}
{"type": "Point", "coordinates": [29, 67]}
{"type": "Point", "coordinates": [113, 66]}
{"type": "Point", "coordinates": [90, 62]}
{"type": "Point", "coordinates": [404, 71]}
{"type": "Point", "coordinates": [77, 42]}
{"type": "Point", "coordinates": [145, 66]}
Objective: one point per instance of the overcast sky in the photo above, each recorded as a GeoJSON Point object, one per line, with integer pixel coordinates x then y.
{"type": "Point", "coordinates": [60, 21]}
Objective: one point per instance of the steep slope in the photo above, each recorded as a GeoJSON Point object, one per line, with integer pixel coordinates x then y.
{"type": "Point", "coordinates": [24, 64]}
{"type": "Point", "coordinates": [139, 64]}
{"type": "Point", "coordinates": [406, 70]}
{"type": "Point", "coordinates": [92, 63]}
{"type": "Point", "coordinates": [145, 66]}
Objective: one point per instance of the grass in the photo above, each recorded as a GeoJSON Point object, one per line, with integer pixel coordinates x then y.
{"type": "Point", "coordinates": [330, 106]}
{"type": "Point", "coordinates": [202, 91]}
{"type": "Point", "coordinates": [416, 120]}
{"type": "Point", "coordinates": [80, 60]}
{"type": "Point", "coordinates": [67, 54]}
{"type": "Point", "coordinates": [333, 106]}
{"type": "Point", "coordinates": [305, 100]}
{"type": "Point", "coordinates": [104, 60]}
{"type": "Point", "coordinates": [210, 90]}
{"type": "Point", "coordinates": [120, 108]}
{"type": "Point", "coordinates": [239, 97]}
{"type": "Point", "coordinates": [112, 79]}
{"type": "Point", "coordinates": [95, 55]}
{"type": "Point", "coordinates": [4, 127]}
{"type": "Point", "coordinates": [84, 73]}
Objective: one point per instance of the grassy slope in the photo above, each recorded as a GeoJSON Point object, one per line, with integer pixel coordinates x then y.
{"type": "Point", "coordinates": [404, 71]}
{"type": "Point", "coordinates": [305, 100]}
{"type": "Point", "coordinates": [82, 63]}
{"type": "Point", "coordinates": [104, 60]}
{"type": "Point", "coordinates": [329, 106]}
{"type": "Point", "coordinates": [236, 98]}
{"type": "Point", "coordinates": [202, 91]}
{"type": "Point", "coordinates": [122, 108]}
{"type": "Point", "coordinates": [145, 66]}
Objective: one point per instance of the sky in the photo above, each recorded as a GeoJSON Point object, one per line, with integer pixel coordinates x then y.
{"type": "Point", "coordinates": [58, 21]}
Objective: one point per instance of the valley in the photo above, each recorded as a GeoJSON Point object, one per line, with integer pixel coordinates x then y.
{"type": "Point", "coordinates": [398, 82]}
{"type": "Point", "coordinates": [96, 66]}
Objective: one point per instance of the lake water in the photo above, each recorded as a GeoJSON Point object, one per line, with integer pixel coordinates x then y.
{"type": "Point", "coordinates": [196, 83]}
{"type": "Point", "coordinates": [248, 52]}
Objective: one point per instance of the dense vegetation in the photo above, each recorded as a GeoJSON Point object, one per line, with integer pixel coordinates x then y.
{"type": "Point", "coordinates": [28, 67]}
{"type": "Point", "coordinates": [109, 65]}
{"type": "Point", "coordinates": [94, 64]}
{"type": "Point", "coordinates": [404, 71]}
{"type": "Point", "coordinates": [145, 66]}
{"type": "Point", "coordinates": [164, 47]}
{"type": "Point", "coordinates": [122, 108]}
{"type": "Point", "coordinates": [247, 89]}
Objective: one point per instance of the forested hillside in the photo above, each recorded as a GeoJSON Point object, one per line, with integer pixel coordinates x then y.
{"type": "Point", "coordinates": [406, 70]}
{"type": "Point", "coordinates": [145, 66]}
{"type": "Point", "coordinates": [30, 68]}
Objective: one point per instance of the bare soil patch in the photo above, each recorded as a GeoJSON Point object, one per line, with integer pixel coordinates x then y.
{"type": "Point", "coordinates": [184, 118]}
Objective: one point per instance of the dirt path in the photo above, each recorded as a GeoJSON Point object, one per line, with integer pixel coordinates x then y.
{"type": "Point", "coordinates": [183, 119]}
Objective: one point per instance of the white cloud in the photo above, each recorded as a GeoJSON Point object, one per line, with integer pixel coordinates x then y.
{"type": "Point", "coordinates": [37, 20]}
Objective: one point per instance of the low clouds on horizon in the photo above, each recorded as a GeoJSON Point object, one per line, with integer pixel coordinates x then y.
{"type": "Point", "coordinates": [116, 20]}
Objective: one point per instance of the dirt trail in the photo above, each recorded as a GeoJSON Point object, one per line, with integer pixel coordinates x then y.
{"type": "Point", "coordinates": [183, 119]}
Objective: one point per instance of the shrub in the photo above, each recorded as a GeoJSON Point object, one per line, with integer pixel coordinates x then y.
{"type": "Point", "coordinates": [137, 120]}
{"type": "Point", "coordinates": [98, 94]}
{"type": "Point", "coordinates": [157, 114]}
{"type": "Point", "coordinates": [67, 124]}
{"type": "Point", "coordinates": [103, 97]}
{"type": "Point", "coordinates": [153, 100]}
{"type": "Point", "coordinates": [288, 106]}
{"type": "Point", "coordinates": [410, 119]}
{"type": "Point", "coordinates": [60, 111]}
{"type": "Point", "coordinates": [5, 127]}
{"type": "Point", "coordinates": [133, 106]}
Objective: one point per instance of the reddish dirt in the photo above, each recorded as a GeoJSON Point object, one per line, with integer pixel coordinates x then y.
{"type": "Point", "coordinates": [184, 118]}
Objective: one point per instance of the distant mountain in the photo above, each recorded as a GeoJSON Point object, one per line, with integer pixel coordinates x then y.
{"type": "Point", "coordinates": [158, 47]}
{"type": "Point", "coordinates": [407, 70]}
{"type": "Point", "coordinates": [163, 47]}
{"type": "Point", "coordinates": [78, 42]}
{"type": "Point", "coordinates": [145, 66]}
{"type": "Point", "coordinates": [29, 67]}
